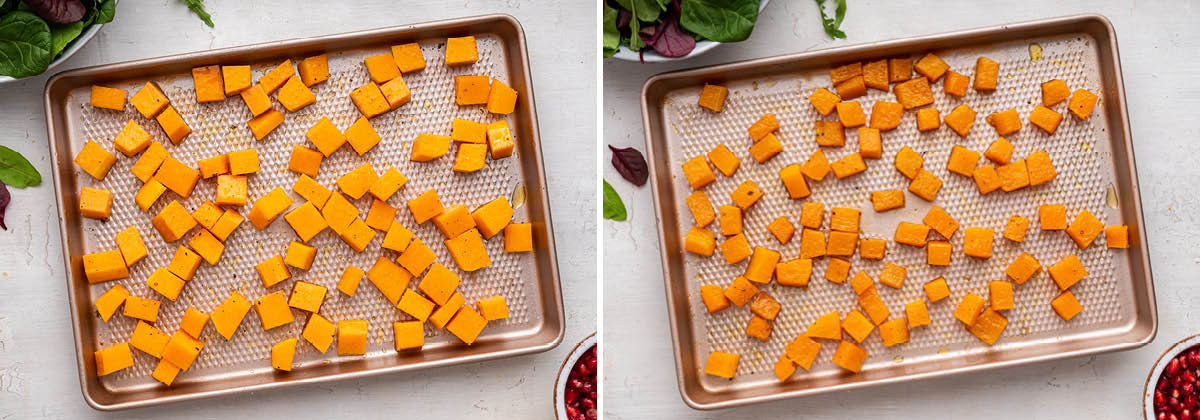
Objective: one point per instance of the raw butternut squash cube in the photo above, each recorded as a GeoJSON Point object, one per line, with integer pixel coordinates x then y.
{"type": "Point", "coordinates": [837, 270]}
{"type": "Point", "coordinates": [955, 84]}
{"type": "Point", "coordinates": [845, 72]}
{"type": "Point", "coordinates": [94, 160]}
{"type": "Point", "coordinates": [977, 242]}
{"type": "Point", "coordinates": [1040, 168]}
{"type": "Point", "coordinates": [759, 328]}
{"type": "Point", "coordinates": [466, 325]}
{"type": "Point", "coordinates": [326, 136]}
{"type": "Point", "coordinates": [361, 135]}
{"type": "Point", "coordinates": [228, 315]}
{"type": "Point", "coordinates": [390, 279]}
{"type": "Point", "coordinates": [460, 51]}
{"type": "Point", "coordinates": [1013, 176]}
{"type": "Point", "coordinates": [518, 237]}
{"type": "Point", "coordinates": [712, 97]}
{"type": "Point", "coordinates": [899, 69]}
{"type": "Point", "coordinates": [1000, 293]}
{"type": "Point", "coordinates": [936, 289]}
{"type": "Point", "coordinates": [875, 74]}
{"type": "Point", "coordinates": [382, 67]}
{"type": "Point", "coordinates": [861, 282]}
{"type": "Point", "coordinates": [113, 358]}
{"type": "Point", "coordinates": [892, 275]}
{"type": "Point", "coordinates": [256, 100]}
{"type": "Point", "coordinates": [397, 238]}
{"type": "Point", "coordinates": [272, 271]}
{"type": "Point", "coordinates": [207, 81]}
{"type": "Point", "coordinates": [356, 182]}
{"type": "Point", "coordinates": [439, 284]}
{"type": "Point", "coordinates": [812, 243]}
{"type": "Point", "coordinates": [1082, 102]}
{"type": "Point", "coordinates": [931, 66]}
{"type": "Point", "coordinates": [828, 326]}
{"type": "Point", "coordinates": [501, 98]}
{"type": "Point", "coordinates": [762, 263]}
{"type": "Point", "coordinates": [849, 356]}
{"type": "Point", "coordinates": [851, 114]}
{"type": "Point", "coordinates": [428, 147]}
{"type": "Point", "coordinates": [917, 314]}
{"type": "Point", "coordinates": [370, 100]}
{"type": "Point", "coordinates": [213, 166]}
{"type": "Point", "coordinates": [1045, 118]}
{"type": "Point", "coordinates": [193, 322]}
{"type": "Point", "coordinates": [1000, 151]}
{"type": "Point", "coordinates": [940, 221]}
{"type": "Point", "coordinates": [265, 123]}
{"type": "Point", "coordinates": [701, 208]}
{"type": "Point", "coordinates": [857, 325]}
{"type": "Point", "coordinates": [132, 139]}
{"type": "Point", "coordinates": [962, 160]}
{"type": "Point", "coordinates": [268, 207]}
{"type": "Point", "coordinates": [721, 364]}
{"type": "Point", "coordinates": [986, 179]}
{"type": "Point", "coordinates": [299, 255]}
{"type": "Point", "coordinates": [988, 326]}
{"type": "Point", "coordinates": [471, 90]}
{"type": "Point", "coordinates": [823, 100]}
{"type": "Point", "coordinates": [928, 119]}
{"type": "Point", "coordinates": [987, 72]}
{"type": "Point", "coordinates": [968, 309]}
{"type": "Point", "coordinates": [470, 157]}
{"type": "Point", "coordinates": [348, 282]}
{"type": "Point", "coordinates": [794, 273]}
{"type": "Point", "coordinates": [782, 229]}
{"type": "Point", "coordinates": [914, 93]}
{"type": "Point", "coordinates": [319, 332]}
{"type": "Point", "coordinates": [938, 253]}
{"type": "Point", "coordinates": [165, 372]}
{"type": "Point", "coordinates": [830, 133]}
{"type": "Point", "coordinates": [908, 162]}
{"type": "Point", "coordinates": [714, 298]}
{"type": "Point", "coordinates": [295, 95]}
{"type": "Point", "coordinates": [887, 200]}
{"type": "Point", "coordinates": [841, 244]}
{"type": "Point", "coordinates": [173, 125]}
{"type": "Point", "coordinates": [735, 249]}
{"type": "Point", "coordinates": [872, 248]}
{"type": "Point", "coordinates": [1054, 91]}
{"type": "Point", "coordinates": [893, 332]}
{"type": "Point", "coordinates": [1023, 268]}
{"type": "Point", "coordinates": [148, 339]}
{"type": "Point", "coordinates": [784, 368]}
{"type": "Point", "coordinates": [305, 161]}
{"type": "Point", "coordinates": [208, 246]}
{"type": "Point", "coordinates": [177, 177]}
{"type": "Point", "coordinates": [95, 203]}
{"type": "Point", "coordinates": [408, 57]}
{"type": "Point", "coordinates": [870, 301]}
{"type": "Point", "coordinates": [149, 100]}
{"type": "Point", "coordinates": [314, 69]}
{"type": "Point", "coordinates": [338, 211]}
{"type": "Point", "coordinates": [500, 142]}
{"type": "Point", "coordinates": [1015, 229]}
{"type": "Point", "coordinates": [849, 165]}
{"type": "Point", "coordinates": [925, 185]}
{"type": "Point", "coordinates": [275, 78]}
{"type": "Point", "coordinates": [1085, 229]}
{"type": "Point", "coordinates": [469, 252]}
{"type": "Point", "coordinates": [852, 88]}
{"type": "Point", "coordinates": [817, 166]}
{"type": "Point", "coordinates": [911, 234]}
{"type": "Point", "coordinates": [960, 119]}
{"type": "Point", "coordinates": [184, 263]}
{"type": "Point", "coordinates": [108, 98]}
{"type": "Point", "coordinates": [468, 131]}
{"type": "Point", "coordinates": [146, 165]}
{"type": "Point", "coordinates": [765, 125]}
{"type": "Point", "coordinates": [141, 308]}
{"type": "Point", "coordinates": [1116, 236]}
{"type": "Point", "coordinates": [243, 162]}
{"type": "Point", "coordinates": [387, 184]}
{"type": "Point", "coordinates": [173, 221]}
{"type": "Point", "coordinates": [357, 234]}
{"type": "Point", "coordinates": [766, 148]}
{"type": "Point", "coordinates": [454, 221]}
{"type": "Point", "coordinates": [133, 249]}
{"type": "Point", "coordinates": [352, 336]}
{"type": "Point", "coordinates": [273, 310]}
{"type": "Point", "coordinates": [765, 306]}
{"type": "Point", "coordinates": [283, 352]}
{"type": "Point", "coordinates": [746, 194]}
{"type": "Point", "coordinates": [1052, 216]}
{"type": "Point", "coordinates": [699, 241]}
{"type": "Point", "coordinates": [1066, 306]}
{"type": "Point", "coordinates": [408, 334]}
{"type": "Point", "coordinates": [740, 291]}
{"type": "Point", "coordinates": [231, 190]}
{"type": "Point", "coordinates": [396, 92]}
{"type": "Point", "coordinates": [425, 206]}
{"type": "Point", "coordinates": [182, 350]}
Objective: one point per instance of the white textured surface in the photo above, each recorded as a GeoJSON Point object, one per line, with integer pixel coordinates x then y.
{"type": "Point", "coordinates": [37, 368]}
{"type": "Point", "coordinates": [1105, 386]}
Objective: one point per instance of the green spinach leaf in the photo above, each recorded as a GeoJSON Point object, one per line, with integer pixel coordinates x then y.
{"type": "Point", "coordinates": [8, 6]}
{"type": "Point", "coordinates": [105, 11]}
{"type": "Point", "coordinates": [832, 26]}
{"type": "Point", "coordinates": [25, 47]}
{"type": "Point", "coordinates": [197, 7]}
{"type": "Point", "coordinates": [614, 208]}
{"type": "Point", "coordinates": [61, 35]}
{"type": "Point", "coordinates": [719, 20]}
{"type": "Point", "coordinates": [645, 10]}
{"type": "Point", "coordinates": [612, 35]}
{"type": "Point", "coordinates": [15, 170]}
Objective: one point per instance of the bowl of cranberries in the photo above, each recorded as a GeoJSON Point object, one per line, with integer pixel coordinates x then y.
{"type": "Point", "coordinates": [575, 390]}
{"type": "Point", "coordinates": [1173, 388]}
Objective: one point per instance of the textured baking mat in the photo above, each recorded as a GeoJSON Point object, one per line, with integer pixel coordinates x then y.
{"type": "Point", "coordinates": [221, 127]}
{"type": "Point", "coordinates": [1081, 153]}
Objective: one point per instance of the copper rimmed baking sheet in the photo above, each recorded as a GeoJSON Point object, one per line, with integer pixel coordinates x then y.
{"type": "Point", "coordinates": [529, 281]}
{"type": "Point", "coordinates": [1096, 172]}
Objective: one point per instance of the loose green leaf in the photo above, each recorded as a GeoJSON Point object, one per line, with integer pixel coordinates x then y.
{"type": "Point", "coordinates": [197, 7]}
{"type": "Point", "coordinates": [61, 35]}
{"type": "Point", "coordinates": [8, 6]}
{"type": "Point", "coordinates": [645, 10]}
{"type": "Point", "coordinates": [25, 46]}
{"type": "Point", "coordinates": [832, 26]}
{"type": "Point", "coordinates": [612, 35]}
{"type": "Point", "coordinates": [15, 170]}
{"type": "Point", "coordinates": [719, 20]}
{"type": "Point", "coordinates": [106, 10]}
{"type": "Point", "coordinates": [614, 208]}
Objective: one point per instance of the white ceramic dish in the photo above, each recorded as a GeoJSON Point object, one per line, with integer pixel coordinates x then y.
{"type": "Point", "coordinates": [650, 56]}
{"type": "Point", "coordinates": [560, 384]}
{"type": "Point", "coordinates": [1156, 372]}
{"type": "Point", "coordinates": [75, 45]}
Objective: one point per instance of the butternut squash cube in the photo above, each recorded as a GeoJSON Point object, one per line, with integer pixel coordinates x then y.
{"type": "Point", "coordinates": [141, 308]}
{"type": "Point", "coordinates": [1085, 229]}
{"type": "Point", "coordinates": [851, 114]}
{"type": "Point", "coordinates": [397, 238]}
{"type": "Point", "coordinates": [986, 179]}
{"type": "Point", "coordinates": [699, 241]}
{"type": "Point", "coordinates": [955, 84]}
{"type": "Point", "coordinates": [133, 249]}
{"type": "Point", "coordinates": [988, 327]}
{"type": "Point", "coordinates": [735, 249]}
{"type": "Point", "coordinates": [977, 242]}
{"type": "Point", "coordinates": [177, 177]}
{"type": "Point", "coordinates": [193, 322]}
{"type": "Point", "coordinates": [784, 367]}
{"type": "Point", "coordinates": [461, 51]}
{"type": "Point", "coordinates": [940, 221]}
{"type": "Point", "coordinates": [1000, 151]}
{"type": "Point", "coordinates": [712, 97]}
{"type": "Point", "coordinates": [208, 246]}
{"type": "Point", "coordinates": [893, 332]}
{"type": "Point", "coordinates": [149, 100]}
{"type": "Point", "coordinates": [358, 181]}
{"type": "Point", "coordinates": [892, 275]}
{"type": "Point", "coordinates": [408, 334]}
{"type": "Point", "coordinates": [875, 74]}
{"type": "Point", "coordinates": [305, 161]}
{"type": "Point", "coordinates": [265, 123]}
{"type": "Point", "coordinates": [782, 229]}
{"type": "Point", "coordinates": [173, 221]}
{"type": "Point", "coordinates": [917, 314]}
{"type": "Point", "coordinates": [470, 157]}
{"type": "Point", "coordinates": [765, 125]}
{"type": "Point", "coordinates": [849, 356]}
{"type": "Point", "coordinates": [468, 131]}
{"type": "Point", "coordinates": [960, 119]}
{"type": "Point", "coordinates": [348, 282]}
{"type": "Point", "coordinates": [911, 234]}
{"type": "Point", "coordinates": [408, 57]}
{"type": "Point", "coordinates": [518, 237]}
{"type": "Point", "coordinates": [746, 194]}
{"type": "Point", "coordinates": [828, 326]}
{"type": "Point", "coordinates": [857, 325]}
{"type": "Point", "coordinates": [439, 284]}
{"type": "Point", "coordinates": [299, 255]}
{"type": "Point", "coordinates": [208, 83]}
{"type": "Point", "coordinates": [928, 119]}
{"type": "Point", "coordinates": [471, 90]}
{"type": "Point", "coordinates": [213, 166]}
{"type": "Point", "coordinates": [276, 77]}
{"type": "Point", "coordinates": [501, 98]}
{"type": "Point", "coordinates": [1005, 123]}
{"type": "Point", "coordinates": [845, 72]}
{"type": "Point", "coordinates": [94, 160]}
{"type": "Point", "coordinates": [830, 133]}
{"type": "Point", "coordinates": [108, 98]}
{"type": "Point", "coordinates": [454, 221]}
{"type": "Point", "coordinates": [721, 364]}
{"type": "Point", "coordinates": [861, 282]}
{"type": "Point", "coordinates": [283, 352]}
{"type": "Point", "coordinates": [469, 252]}
{"type": "Point", "coordinates": [908, 162]}
{"type": "Point", "coordinates": [793, 180]}
{"type": "Point", "coordinates": [872, 248]}
{"type": "Point", "coordinates": [794, 273]}
{"type": "Point", "coordinates": [823, 100]}
{"type": "Point", "coordinates": [870, 144]}
{"type": "Point", "coordinates": [987, 72]}
{"type": "Point", "coordinates": [295, 95]}
{"type": "Point", "coordinates": [765, 306]}
{"type": "Point", "coordinates": [1040, 168]}
{"type": "Point", "coordinates": [870, 301]}
{"type": "Point", "coordinates": [1022, 268]}
{"type": "Point", "coordinates": [387, 184]}
{"type": "Point", "coordinates": [396, 92]}
{"type": "Point", "coordinates": [184, 263]}
{"type": "Point", "coordinates": [914, 93]}
{"type": "Point", "coordinates": [968, 309]}
{"type": "Point", "coordinates": [256, 100]}
{"type": "Point", "coordinates": [1116, 236]}
{"type": "Point", "coordinates": [314, 70]}
{"type": "Point", "coordinates": [132, 139]}
{"type": "Point", "coordinates": [272, 271]}
{"type": "Point", "coordinates": [925, 185]}
{"type": "Point", "coordinates": [95, 203]}
{"type": "Point", "coordinates": [740, 291]}
{"type": "Point", "coordinates": [173, 124]}
{"type": "Point", "coordinates": [841, 244]}
{"type": "Point", "coordinates": [931, 66]}
{"type": "Point", "coordinates": [849, 165]}
{"type": "Point", "coordinates": [802, 351]}
{"type": "Point", "coordinates": [714, 298]}
{"type": "Point", "coordinates": [1013, 176]}
{"type": "Point", "coordinates": [1015, 229]}
{"type": "Point", "coordinates": [938, 253]}
{"type": "Point", "coordinates": [228, 315]}
{"type": "Point", "coordinates": [113, 358]}
{"type": "Point", "coordinates": [1000, 293]}
{"type": "Point", "coordinates": [273, 310]}
{"type": "Point", "coordinates": [766, 148]}
{"type": "Point", "coordinates": [466, 325]}
{"type": "Point", "coordinates": [165, 372]}
{"type": "Point", "coordinates": [326, 136]}
{"type": "Point", "coordinates": [759, 328]}
{"type": "Point", "coordinates": [936, 289]}
{"type": "Point", "coordinates": [1082, 102]}
{"type": "Point", "coordinates": [428, 147]}
{"type": "Point", "coordinates": [307, 222]}
{"type": "Point", "coordinates": [899, 69]}
{"type": "Point", "coordinates": [701, 209]}
{"type": "Point", "coordinates": [1052, 216]}
{"type": "Point", "coordinates": [1045, 118]}
{"type": "Point", "coordinates": [352, 337]}
{"type": "Point", "coordinates": [500, 142]}
{"type": "Point", "coordinates": [817, 166]}
{"type": "Point", "coordinates": [887, 200]}
{"type": "Point", "coordinates": [852, 88]}
{"type": "Point", "coordinates": [390, 279]}
{"type": "Point", "coordinates": [1066, 306]}
{"type": "Point", "coordinates": [361, 135]}
{"type": "Point", "coordinates": [370, 100]}
{"type": "Point", "coordinates": [146, 165]}
{"type": "Point", "coordinates": [812, 243]}
{"type": "Point", "coordinates": [382, 67]}
{"type": "Point", "coordinates": [1054, 91]}
{"type": "Point", "coordinates": [110, 300]}
{"type": "Point", "coordinates": [357, 234]}
{"type": "Point", "coordinates": [962, 160]}
{"type": "Point", "coordinates": [268, 207]}
{"type": "Point", "coordinates": [837, 270]}
{"type": "Point", "coordinates": [243, 162]}
{"type": "Point", "coordinates": [319, 332]}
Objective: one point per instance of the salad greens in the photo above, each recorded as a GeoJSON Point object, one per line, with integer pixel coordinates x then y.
{"type": "Point", "coordinates": [614, 208]}
{"type": "Point", "coordinates": [35, 32]}
{"type": "Point", "coordinates": [832, 26]}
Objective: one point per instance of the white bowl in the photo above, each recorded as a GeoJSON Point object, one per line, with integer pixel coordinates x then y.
{"type": "Point", "coordinates": [1156, 372]}
{"type": "Point", "coordinates": [651, 56]}
{"type": "Point", "coordinates": [72, 48]}
{"type": "Point", "coordinates": [564, 371]}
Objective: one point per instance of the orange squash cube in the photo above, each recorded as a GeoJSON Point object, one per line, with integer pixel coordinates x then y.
{"type": "Point", "coordinates": [887, 200]}
{"type": "Point", "coordinates": [849, 356]}
{"type": "Point", "coordinates": [812, 243]}
{"type": "Point", "coordinates": [173, 221]}
{"type": "Point", "coordinates": [1015, 229]}
{"type": "Point", "coordinates": [845, 72]}
{"type": "Point", "coordinates": [173, 125]}
{"type": "Point", "coordinates": [712, 97]}
{"type": "Point", "coordinates": [960, 119]}
{"type": "Point", "coordinates": [461, 51]}
{"type": "Point", "coordinates": [265, 123]}
{"type": "Point", "coordinates": [894, 332]}
{"type": "Point", "coordinates": [848, 165]}
{"type": "Point", "coordinates": [1085, 229]}
{"type": "Point", "coordinates": [714, 298]}
{"type": "Point", "coordinates": [892, 275]}
{"type": "Point", "coordinates": [1000, 151]}
{"type": "Point", "coordinates": [852, 88]}
{"type": "Point", "coordinates": [208, 84]}
{"type": "Point", "coordinates": [268, 207]}
{"type": "Point", "coordinates": [936, 289]}
{"type": "Point", "coordinates": [794, 273]}
{"type": "Point", "coordinates": [940, 221]}
{"type": "Point", "coordinates": [925, 185]}
{"type": "Point", "coordinates": [417, 306]}
{"type": "Point", "coordinates": [273, 310]}
{"type": "Point", "coordinates": [875, 74]}
{"type": "Point", "coordinates": [989, 326]}
{"type": "Point", "coordinates": [1117, 236]}
{"type": "Point", "coordinates": [1082, 103]}
{"type": "Point", "coordinates": [314, 69]}
{"type": "Point", "coordinates": [1023, 268]}
{"type": "Point", "coordinates": [396, 92]}
{"type": "Point", "coordinates": [724, 160]}
{"type": "Point", "coordinates": [294, 95]}
{"type": "Point", "coordinates": [740, 291]}
{"type": "Point", "coordinates": [766, 148]}
{"type": "Point", "coordinates": [1000, 293]}
{"type": "Point", "coordinates": [911, 234]}
{"type": "Point", "coordinates": [141, 308]}
{"type": "Point", "coordinates": [319, 332]}
{"type": "Point", "coordinates": [1066, 306]}
{"type": "Point", "coordinates": [731, 219]}
{"type": "Point", "coordinates": [793, 180]}
{"type": "Point", "coordinates": [369, 100]}
{"type": "Point", "coordinates": [828, 326]}
{"type": "Point", "coordinates": [861, 282]}
{"type": "Point", "coordinates": [928, 119]}
{"type": "Point", "coordinates": [1040, 168]}
{"type": "Point", "coordinates": [844, 219]}
{"type": "Point", "coordinates": [841, 244]}
{"type": "Point", "coordinates": [782, 229]}
{"type": "Point", "coordinates": [1054, 91]}
{"type": "Point", "coordinates": [823, 101]}
{"type": "Point", "coordinates": [104, 266]}
{"type": "Point", "coordinates": [931, 66]}
{"type": "Point", "coordinates": [851, 114]}
{"type": "Point", "coordinates": [857, 325]}
{"type": "Point", "coordinates": [765, 125]}
{"type": "Point", "coordinates": [108, 98]}
{"type": "Point", "coordinates": [95, 203]}
{"type": "Point", "coordinates": [885, 116]}
{"type": "Point", "coordinates": [962, 160]}
{"type": "Point", "coordinates": [812, 215]}
{"type": "Point", "coordinates": [937, 253]}
{"type": "Point", "coordinates": [830, 133]}
{"type": "Point", "coordinates": [914, 93]}
{"type": "Point", "coordinates": [987, 72]}
{"type": "Point", "coordinates": [382, 67]}
{"type": "Point", "coordinates": [817, 166]}
{"type": "Point", "coordinates": [968, 309]}
{"type": "Point", "coordinates": [149, 100]}
{"type": "Point", "coordinates": [1013, 176]}
{"type": "Point", "coordinates": [872, 248]}
{"type": "Point", "coordinates": [746, 194]}
{"type": "Point", "coordinates": [721, 364]}
{"type": "Point", "coordinates": [986, 179]}
{"type": "Point", "coordinates": [471, 90]}
{"type": "Point", "coordinates": [1052, 216]}
{"type": "Point", "coordinates": [1045, 118]}
{"type": "Point", "coordinates": [899, 69]}
{"type": "Point", "coordinates": [955, 84]}
{"type": "Point", "coordinates": [132, 139]}
{"type": "Point", "coordinates": [870, 301]}
{"type": "Point", "coordinates": [762, 265]}
{"type": "Point", "coordinates": [765, 306]}
{"type": "Point", "coordinates": [1005, 122]}
{"type": "Point", "coordinates": [870, 144]}
{"type": "Point", "coordinates": [917, 314]}
{"type": "Point", "coordinates": [784, 367]}
{"type": "Point", "coordinates": [977, 242]}
{"type": "Point", "coordinates": [698, 173]}
{"type": "Point", "coordinates": [908, 162]}
{"type": "Point", "coordinates": [837, 270]}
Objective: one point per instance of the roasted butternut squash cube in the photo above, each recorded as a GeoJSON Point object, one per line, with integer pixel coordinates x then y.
{"type": "Point", "coordinates": [940, 221]}
{"type": "Point", "coordinates": [845, 72]}
{"type": "Point", "coordinates": [1013, 176]}
{"type": "Point", "coordinates": [326, 136]}
{"type": "Point", "coordinates": [893, 332]}
{"type": "Point", "coordinates": [213, 166]}
{"type": "Point", "coordinates": [987, 72]}
{"type": "Point", "coordinates": [425, 206]}
{"type": "Point", "coordinates": [348, 282]}
{"type": "Point", "coordinates": [319, 332]}
{"type": "Point", "coordinates": [1000, 151]}
{"type": "Point", "coordinates": [461, 51]}
{"type": "Point", "coordinates": [849, 356]}
{"type": "Point", "coordinates": [361, 135]}
{"type": "Point", "coordinates": [1052, 216]}
{"type": "Point", "coordinates": [977, 242]}
{"type": "Point", "coordinates": [243, 162]}
{"type": "Point", "coordinates": [857, 325]}
{"type": "Point", "coordinates": [277, 76]}
{"type": "Point", "coordinates": [875, 74]}
{"type": "Point", "coordinates": [861, 282]}
{"type": "Point", "coordinates": [184, 263]}
{"type": "Point", "coordinates": [872, 248]}
{"type": "Point", "coordinates": [226, 224]}
{"type": "Point", "coordinates": [470, 157]}
{"type": "Point", "coordinates": [899, 69]}
{"type": "Point", "coordinates": [370, 100]}
{"type": "Point", "coordinates": [837, 270]}
{"type": "Point", "coordinates": [1000, 294]}
{"type": "Point", "coordinates": [208, 83]}
{"type": "Point", "coordinates": [104, 266]}
{"type": "Point", "coordinates": [149, 100]}
{"type": "Point", "coordinates": [721, 364]}
{"type": "Point", "coordinates": [173, 124]}
{"type": "Point", "coordinates": [268, 207]}
{"type": "Point", "coordinates": [471, 90]}
{"type": "Point", "coordinates": [396, 92]}
{"type": "Point", "coordinates": [699, 241]}
{"type": "Point", "coordinates": [1005, 123]}
{"type": "Point", "coordinates": [493, 216]}
{"type": "Point", "coordinates": [968, 309]}
{"type": "Point", "coordinates": [1045, 118]}
{"type": "Point", "coordinates": [714, 298]}
{"type": "Point", "coordinates": [765, 306]}
{"type": "Point", "coordinates": [273, 310]}
{"type": "Point", "coordinates": [794, 273]}
{"type": "Point", "coordinates": [887, 200]}
{"type": "Point", "coordinates": [841, 244]}
{"type": "Point", "coordinates": [765, 125]}
{"type": "Point", "coordinates": [133, 249]}
{"type": "Point", "coordinates": [390, 279]}
{"type": "Point", "coordinates": [917, 314]}
{"type": "Point", "coordinates": [830, 133]}
{"type": "Point", "coordinates": [146, 165]}
{"type": "Point", "coordinates": [1085, 229]}
{"type": "Point", "coordinates": [228, 315]}
{"type": "Point", "coordinates": [283, 353]}
{"type": "Point", "coordinates": [256, 100]}
{"type": "Point", "coordinates": [793, 180]}
{"type": "Point", "coordinates": [730, 219]}
{"type": "Point", "coordinates": [409, 334]}
{"type": "Point", "coordinates": [911, 234]}
{"type": "Point", "coordinates": [173, 221]}
{"type": "Point", "coordinates": [466, 325]}
{"type": "Point", "coordinates": [960, 119]}
{"type": "Point", "coordinates": [989, 326]}
{"type": "Point", "coordinates": [931, 66]}
{"type": "Point", "coordinates": [94, 160]}
{"type": "Point", "coordinates": [113, 358]}
{"type": "Point", "coordinates": [766, 148]}
{"type": "Point", "coordinates": [132, 139]}
{"type": "Point", "coordinates": [1082, 102]}
{"type": "Point", "coordinates": [802, 351]}
{"type": "Point", "coordinates": [272, 271]}
{"type": "Point", "coordinates": [295, 95]}
{"type": "Point", "coordinates": [95, 203]}
{"type": "Point", "coordinates": [870, 302]}
{"type": "Point", "coordinates": [1023, 268]}
{"type": "Point", "coordinates": [784, 367]}
{"type": "Point", "coordinates": [759, 328]}
{"type": "Point", "coordinates": [305, 161]}
{"type": "Point", "coordinates": [141, 308]}
{"type": "Point", "coordinates": [307, 222]}
{"type": "Point", "coordinates": [1040, 168]}
{"type": "Point", "coordinates": [740, 291]}
{"type": "Point", "coordinates": [500, 141]}
{"type": "Point", "coordinates": [314, 69]}
{"type": "Point", "coordinates": [928, 119]}
{"type": "Point", "coordinates": [870, 144]}
{"type": "Point", "coordinates": [357, 182]}
{"type": "Point", "coordinates": [892, 275]}
{"type": "Point", "coordinates": [108, 98]}
{"type": "Point", "coordinates": [812, 215]}
{"type": "Point", "coordinates": [1116, 236]}
{"type": "Point", "coordinates": [914, 93]}
{"type": "Point", "coordinates": [357, 234]}
{"type": "Point", "coordinates": [823, 100]}
{"type": "Point", "coordinates": [1015, 229]}
{"type": "Point", "coordinates": [962, 160]}
{"type": "Point", "coordinates": [937, 253]}
{"type": "Point", "coordinates": [502, 99]}
{"type": "Point", "coordinates": [817, 166]}
{"type": "Point", "coordinates": [1054, 91]}
{"type": "Point", "coordinates": [408, 57]}
{"type": "Point", "coordinates": [782, 229]}
{"type": "Point", "coordinates": [852, 88]}
{"type": "Point", "coordinates": [1066, 306]}
{"type": "Point", "coordinates": [724, 160]}
{"type": "Point", "coordinates": [851, 114]}
{"type": "Point", "coordinates": [986, 179]}
{"type": "Point", "coordinates": [454, 221]}
{"type": "Point", "coordinates": [908, 162]}
{"type": "Point", "coordinates": [936, 289]}
{"type": "Point", "coordinates": [352, 337]}
{"type": "Point", "coordinates": [746, 194]}
{"type": "Point", "coordinates": [955, 84]}
{"type": "Point", "coordinates": [265, 123]}
{"type": "Point", "coordinates": [428, 147]}
{"type": "Point", "coordinates": [762, 265]}
{"type": "Point", "coordinates": [848, 165]}
{"type": "Point", "coordinates": [165, 372]}
{"type": "Point", "coordinates": [828, 326]}
{"type": "Point", "coordinates": [193, 322]}
{"type": "Point", "coordinates": [812, 243]}
{"type": "Point", "coordinates": [925, 185]}
{"type": "Point", "coordinates": [397, 238]}
{"type": "Point", "coordinates": [439, 284]}
{"type": "Point", "coordinates": [735, 249]}
{"type": "Point", "coordinates": [712, 97]}
{"type": "Point", "coordinates": [468, 131]}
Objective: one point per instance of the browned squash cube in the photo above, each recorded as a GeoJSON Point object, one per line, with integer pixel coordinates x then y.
{"type": "Point", "coordinates": [987, 73]}
{"type": "Point", "coordinates": [712, 97]}
{"type": "Point", "coordinates": [885, 116]}
{"type": "Point", "coordinates": [845, 72]}
{"type": "Point", "coordinates": [956, 84]}
{"type": "Point", "coordinates": [852, 88]}
{"type": "Point", "coordinates": [1005, 122]}
{"type": "Point", "coordinates": [823, 100]}
{"type": "Point", "coordinates": [875, 75]}
{"type": "Point", "coordinates": [925, 185]}
{"type": "Point", "coordinates": [960, 119]}
{"type": "Point", "coordinates": [851, 114]}
{"type": "Point", "coordinates": [899, 69]}
{"type": "Point", "coordinates": [1045, 118]}
{"type": "Point", "coordinates": [1082, 103]}
{"type": "Point", "coordinates": [914, 93]}
{"type": "Point", "coordinates": [962, 160]}
{"type": "Point", "coordinates": [928, 119]}
{"type": "Point", "coordinates": [1055, 91]}
{"type": "Point", "coordinates": [830, 133]}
